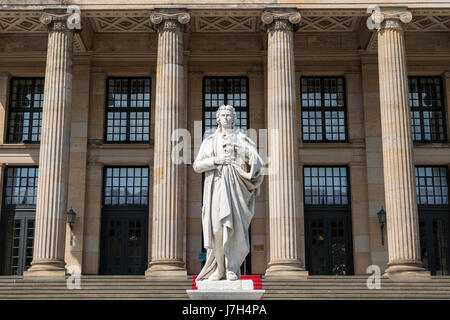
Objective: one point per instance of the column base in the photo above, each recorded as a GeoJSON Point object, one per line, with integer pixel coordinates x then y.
{"type": "Point", "coordinates": [286, 270]}
{"type": "Point", "coordinates": [46, 268]}
{"type": "Point", "coordinates": [407, 271]}
{"type": "Point", "coordinates": [166, 269]}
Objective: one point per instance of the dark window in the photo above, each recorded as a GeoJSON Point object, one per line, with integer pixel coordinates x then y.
{"type": "Point", "coordinates": [229, 91]}
{"type": "Point", "coordinates": [25, 110]}
{"type": "Point", "coordinates": [128, 110]}
{"type": "Point", "coordinates": [323, 109]}
{"type": "Point", "coordinates": [427, 109]}
{"type": "Point", "coordinates": [124, 235]}
{"type": "Point", "coordinates": [327, 221]}
{"type": "Point", "coordinates": [431, 185]}
{"type": "Point", "coordinates": [326, 186]}
{"type": "Point", "coordinates": [18, 219]}
{"type": "Point", "coordinates": [21, 186]}
{"type": "Point", "coordinates": [434, 217]}
{"type": "Point", "coordinates": [126, 186]}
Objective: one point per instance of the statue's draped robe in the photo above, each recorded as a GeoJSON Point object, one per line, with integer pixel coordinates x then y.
{"type": "Point", "coordinates": [228, 200]}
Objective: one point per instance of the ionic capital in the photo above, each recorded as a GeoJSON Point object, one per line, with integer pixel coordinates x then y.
{"type": "Point", "coordinates": [65, 19]}
{"type": "Point", "coordinates": [169, 21]}
{"type": "Point", "coordinates": [388, 18]}
{"type": "Point", "coordinates": [281, 19]}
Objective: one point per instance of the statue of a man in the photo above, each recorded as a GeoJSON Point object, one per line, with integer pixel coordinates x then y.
{"type": "Point", "coordinates": [233, 175]}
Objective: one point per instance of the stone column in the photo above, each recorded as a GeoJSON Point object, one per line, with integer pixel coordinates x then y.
{"type": "Point", "coordinates": [400, 191]}
{"type": "Point", "coordinates": [284, 201]}
{"type": "Point", "coordinates": [2, 177]}
{"type": "Point", "coordinates": [446, 76]}
{"type": "Point", "coordinates": [4, 91]}
{"type": "Point", "coordinates": [48, 257]}
{"type": "Point", "coordinates": [168, 193]}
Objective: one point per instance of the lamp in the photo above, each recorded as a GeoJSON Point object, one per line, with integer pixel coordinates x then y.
{"type": "Point", "coordinates": [382, 220]}
{"type": "Point", "coordinates": [70, 219]}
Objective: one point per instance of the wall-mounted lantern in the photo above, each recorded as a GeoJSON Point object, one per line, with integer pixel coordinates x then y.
{"type": "Point", "coordinates": [382, 220]}
{"type": "Point", "coordinates": [70, 219]}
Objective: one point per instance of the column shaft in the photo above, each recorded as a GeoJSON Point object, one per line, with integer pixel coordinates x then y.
{"type": "Point", "coordinates": [284, 219]}
{"type": "Point", "coordinates": [48, 257]}
{"type": "Point", "coordinates": [399, 180]}
{"type": "Point", "coordinates": [168, 192]}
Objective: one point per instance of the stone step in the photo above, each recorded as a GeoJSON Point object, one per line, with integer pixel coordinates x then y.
{"type": "Point", "coordinates": [171, 287]}
{"type": "Point", "coordinates": [268, 294]}
{"type": "Point", "coordinates": [281, 282]}
{"type": "Point", "coordinates": [356, 294]}
{"type": "Point", "coordinates": [96, 296]}
{"type": "Point", "coordinates": [410, 284]}
{"type": "Point", "coordinates": [380, 291]}
{"type": "Point", "coordinates": [137, 287]}
{"type": "Point", "coordinates": [351, 298]}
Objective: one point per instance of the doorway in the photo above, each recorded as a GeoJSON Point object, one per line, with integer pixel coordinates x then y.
{"type": "Point", "coordinates": [328, 243]}
{"type": "Point", "coordinates": [124, 225]}
{"type": "Point", "coordinates": [435, 241]}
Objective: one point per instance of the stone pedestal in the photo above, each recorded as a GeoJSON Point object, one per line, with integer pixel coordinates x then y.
{"type": "Point", "coordinates": [284, 202]}
{"type": "Point", "coordinates": [400, 192]}
{"type": "Point", "coordinates": [225, 290]}
{"type": "Point", "coordinates": [48, 257]}
{"type": "Point", "coordinates": [168, 192]}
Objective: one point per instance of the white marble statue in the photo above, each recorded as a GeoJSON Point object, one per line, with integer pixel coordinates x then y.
{"type": "Point", "coordinates": [233, 175]}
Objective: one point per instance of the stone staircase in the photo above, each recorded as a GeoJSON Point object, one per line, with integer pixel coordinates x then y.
{"type": "Point", "coordinates": [137, 287]}
{"type": "Point", "coordinates": [95, 288]}
{"type": "Point", "coordinates": [355, 287]}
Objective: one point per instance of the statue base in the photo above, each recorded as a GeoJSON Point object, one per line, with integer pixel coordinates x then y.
{"type": "Point", "coordinates": [225, 290]}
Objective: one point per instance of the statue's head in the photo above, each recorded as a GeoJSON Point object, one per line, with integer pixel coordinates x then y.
{"type": "Point", "coordinates": [226, 117]}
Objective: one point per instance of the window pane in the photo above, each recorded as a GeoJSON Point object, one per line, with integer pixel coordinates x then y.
{"type": "Point", "coordinates": [126, 186]}
{"type": "Point", "coordinates": [427, 109]}
{"type": "Point", "coordinates": [24, 118]}
{"type": "Point", "coordinates": [21, 186]}
{"type": "Point", "coordinates": [325, 186]}
{"type": "Point", "coordinates": [229, 91]}
{"type": "Point", "coordinates": [432, 185]}
{"type": "Point", "coordinates": [128, 110]}
{"type": "Point", "coordinates": [323, 109]}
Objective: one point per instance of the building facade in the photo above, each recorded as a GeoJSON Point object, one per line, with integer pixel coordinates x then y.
{"type": "Point", "coordinates": [350, 105]}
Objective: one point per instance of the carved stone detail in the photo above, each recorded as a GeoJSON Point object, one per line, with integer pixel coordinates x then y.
{"type": "Point", "coordinates": [169, 21]}
{"type": "Point", "coordinates": [57, 20]}
{"type": "Point", "coordinates": [386, 18]}
{"type": "Point", "coordinates": [235, 23]}
{"type": "Point", "coordinates": [281, 20]}
{"type": "Point", "coordinates": [429, 23]}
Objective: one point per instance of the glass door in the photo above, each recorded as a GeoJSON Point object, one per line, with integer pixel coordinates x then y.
{"type": "Point", "coordinates": [18, 240]}
{"type": "Point", "coordinates": [435, 242]}
{"type": "Point", "coordinates": [328, 243]}
{"type": "Point", "coordinates": [124, 244]}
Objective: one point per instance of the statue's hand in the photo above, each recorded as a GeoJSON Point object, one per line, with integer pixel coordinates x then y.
{"type": "Point", "coordinates": [225, 159]}
{"type": "Point", "coordinates": [242, 150]}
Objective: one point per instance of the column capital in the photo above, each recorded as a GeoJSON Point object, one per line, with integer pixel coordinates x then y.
{"type": "Point", "coordinates": [388, 17]}
{"type": "Point", "coordinates": [280, 19]}
{"type": "Point", "coordinates": [62, 19]}
{"type": "Point", "coordinates": [169, 20]}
